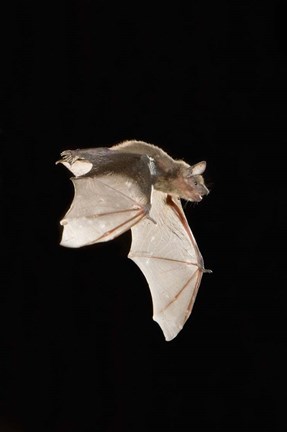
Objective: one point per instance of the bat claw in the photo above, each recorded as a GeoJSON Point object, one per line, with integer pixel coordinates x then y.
{"type": "Point", "coordinates": [69, 156]}
{"type": "Point", "coordinates": [207, 271]}
{"type": "Point", "coordinates": [151, 219]}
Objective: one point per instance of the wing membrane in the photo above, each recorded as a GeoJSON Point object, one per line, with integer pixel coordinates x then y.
{"type": "Point", "coordinates": [106, 205]}
{"type": "Point", "coordinates": [164, 248]}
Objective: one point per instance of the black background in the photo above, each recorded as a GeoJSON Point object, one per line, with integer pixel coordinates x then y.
{"type": "Point", "coordinates": [204, 81]}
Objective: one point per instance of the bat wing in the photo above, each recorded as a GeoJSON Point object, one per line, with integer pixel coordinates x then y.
{"type": "Point", "coordinates": [165, 250]}
{"type": "Point", "coordinates": [109, 198]}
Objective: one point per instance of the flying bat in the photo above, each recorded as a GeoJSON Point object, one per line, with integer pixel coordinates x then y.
{"type": "Point", "coordinates": [136, 185]}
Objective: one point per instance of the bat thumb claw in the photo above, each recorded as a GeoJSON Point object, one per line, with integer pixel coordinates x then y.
{"type": "Point", "coordinates": [151, 219]}
{"type": "Point", "coordinates": [207, 271]}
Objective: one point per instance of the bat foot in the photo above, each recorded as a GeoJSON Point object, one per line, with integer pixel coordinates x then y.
{"type": "Point", "coordinates": [69, 156]}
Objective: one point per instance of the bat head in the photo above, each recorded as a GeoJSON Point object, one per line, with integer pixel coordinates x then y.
{"type": "Point", "coordinates": [190, 182]}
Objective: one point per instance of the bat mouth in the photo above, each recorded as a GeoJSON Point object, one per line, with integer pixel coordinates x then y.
{"type": "Point", "coordinates": [197, 198]}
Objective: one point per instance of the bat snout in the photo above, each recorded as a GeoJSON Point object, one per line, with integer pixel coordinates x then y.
{"type": "Point", "coordinates": [205, 191]}
{"type": "Point", "coordinates": [200, 193]}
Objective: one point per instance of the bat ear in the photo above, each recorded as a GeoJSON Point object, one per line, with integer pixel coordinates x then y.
{"type": "Point", "coordinates": [198, 168]}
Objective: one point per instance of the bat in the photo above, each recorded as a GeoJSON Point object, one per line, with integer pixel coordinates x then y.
{"type": "Point", "coordinates": [136, 185]}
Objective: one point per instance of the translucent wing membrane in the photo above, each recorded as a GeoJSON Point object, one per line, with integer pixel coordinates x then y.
{"type": "Point", "coordinates": [101, 212]}
{"type": "Point", "coordinates": [167, 254]}
{"type": "Point", "coordinates": [107, 201]}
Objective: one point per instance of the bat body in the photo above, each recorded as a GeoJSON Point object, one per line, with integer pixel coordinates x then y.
{"type": "Point", "coordinates": [135, 185]}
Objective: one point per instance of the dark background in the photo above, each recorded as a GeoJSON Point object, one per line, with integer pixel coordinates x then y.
{"type": "Point", "coordinates": [205, 81]}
